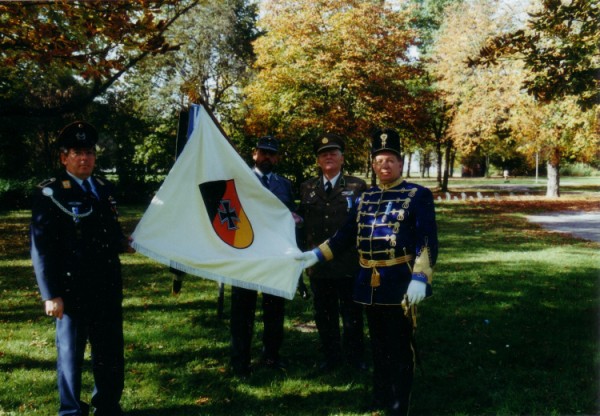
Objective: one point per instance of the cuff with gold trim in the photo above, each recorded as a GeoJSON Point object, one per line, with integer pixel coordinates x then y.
{"type": "Point", "coordinates": [421, 277]}
{"type": "Point", "coordinates": [319, 254]}
{"type": "Point", "coordinates": [326, 252]}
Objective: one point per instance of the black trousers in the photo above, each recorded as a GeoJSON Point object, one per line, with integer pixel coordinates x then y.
{"type": "Point", "coordinates": [332, 300]}
{"type": "Point", "coordinates": [243, 309]}
{"type": "Point", "coordinates": [393, 357]}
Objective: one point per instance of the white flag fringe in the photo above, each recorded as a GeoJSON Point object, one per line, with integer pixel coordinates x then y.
{"type": "Point", "coordinates": [178, 231]}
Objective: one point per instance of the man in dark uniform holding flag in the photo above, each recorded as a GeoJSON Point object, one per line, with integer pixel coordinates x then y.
{"type": "Point", "coordinates": [243, 301]}
{"type": "Point", "coordinates": [396, 235]}
{"type": "Point", "coordinates": [75, 244]}
{"type": "Point", "coordinates": [325, 202]}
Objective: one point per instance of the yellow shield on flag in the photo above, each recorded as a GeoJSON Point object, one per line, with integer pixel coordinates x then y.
{"type": "Point", "coordinates": [226, 213]}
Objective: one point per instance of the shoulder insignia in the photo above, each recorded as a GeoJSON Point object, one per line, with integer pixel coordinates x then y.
{"type": "Point", "coordinates": [46, 182]}
{"type": "Point", "coordinates": [66, 184]}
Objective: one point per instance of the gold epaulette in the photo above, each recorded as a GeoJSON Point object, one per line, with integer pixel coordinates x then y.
{"type": "Point", "coordinates": [46, 182]}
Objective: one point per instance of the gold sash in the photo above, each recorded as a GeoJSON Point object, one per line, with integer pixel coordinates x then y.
{"type": "Point", "coordinates": [374, 264]}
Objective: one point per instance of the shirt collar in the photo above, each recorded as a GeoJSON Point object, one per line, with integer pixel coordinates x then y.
{"type": "Point", "coordinates": [260, 174]}
{"type": "Point", "coordinates": [333, 180]}
{"type": "Point", "coordinates": [75, 178]}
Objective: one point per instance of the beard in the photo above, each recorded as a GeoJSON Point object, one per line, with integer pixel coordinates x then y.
{"type": "Point", "coordinates": [265, 166]}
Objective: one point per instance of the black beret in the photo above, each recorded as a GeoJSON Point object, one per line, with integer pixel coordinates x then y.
{"type": "Point", "coordinates": [268, 143]}
{"type": "Point", "coordinates": [327, 142]}
{"type": "Point", "coordinates": [76, 135]}
{"type": "Point", "coordinates": [386, 140]}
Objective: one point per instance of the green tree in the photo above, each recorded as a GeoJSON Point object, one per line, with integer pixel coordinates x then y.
{"type": "Point", "coordinates": [560, 48]}
{"type": "Point", "coordinates": [56, 58]}
{"type": "Point", "coordinates": [92, 42]}
{"type": "Point", "coordinates": [211, 66]}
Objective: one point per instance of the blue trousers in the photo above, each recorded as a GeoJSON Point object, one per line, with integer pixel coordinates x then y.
{"type": "Point", "coordinates": [105, 335]}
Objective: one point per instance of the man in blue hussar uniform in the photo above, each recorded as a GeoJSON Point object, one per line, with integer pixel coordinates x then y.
{"type": "Point", "coordinates": [243, 301]}
{"type": "Point", "coordinates": [325, 202]}
{"type": "Point", "coordinates": [396, 235]}
{"type": "Point", "coordinates": [75, 244]}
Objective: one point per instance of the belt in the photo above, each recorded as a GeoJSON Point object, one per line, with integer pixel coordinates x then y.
{"type": "Point", "coordinates": [374, 264]}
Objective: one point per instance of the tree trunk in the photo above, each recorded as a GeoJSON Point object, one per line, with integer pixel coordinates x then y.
{"type": "Point", "coordinates": [409, 156]}
{"type": "Point", "coordinates": [444, 186]}
{"type": "Point", "coordinates": [486, 171]}
{"type": "Point", "coordinates": [440, 162]}
{"type": "Point", "coordinates": [553, 165]}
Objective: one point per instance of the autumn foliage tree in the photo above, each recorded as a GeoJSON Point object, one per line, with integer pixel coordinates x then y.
{"type": "Point", "coordinates": [95, 41]}
{"type": "Point", "coordinates": [57, 57]}
{"type": "Point", "coordinates": [480, 99]}
{"type": "Point", "coordinates": [493, 111]}
{"type": "Point", "coordinates": [560, 47]}
{"type": "Point", "coordinates": [332, 65]}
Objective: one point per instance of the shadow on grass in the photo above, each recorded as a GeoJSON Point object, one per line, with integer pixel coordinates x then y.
{"type": "Point", "coordinates": [512, 329]}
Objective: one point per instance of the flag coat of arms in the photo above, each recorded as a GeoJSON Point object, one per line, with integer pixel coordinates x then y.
{"type": "Point", "coordinates": [213, 218]}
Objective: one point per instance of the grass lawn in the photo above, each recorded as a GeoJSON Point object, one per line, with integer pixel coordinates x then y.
{"type": "Point", "coordinates": [512, 328]}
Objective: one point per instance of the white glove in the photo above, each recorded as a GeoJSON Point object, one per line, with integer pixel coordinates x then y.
{"type": "Point", "coordinates": [416, 291]}
{"type": "Point", "coordinates": [309, 258]}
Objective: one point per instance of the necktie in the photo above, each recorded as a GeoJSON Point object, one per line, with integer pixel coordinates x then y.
{"type": "Point", "coordinates": [327, 187]}
{"type": "Point", "coordinates": [265, 181]}
{"type": "Point", "coordinates": [88, 188]}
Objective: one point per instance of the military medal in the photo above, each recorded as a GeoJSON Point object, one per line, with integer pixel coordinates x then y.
{"type": "Point", "coordinates": [388, 209]}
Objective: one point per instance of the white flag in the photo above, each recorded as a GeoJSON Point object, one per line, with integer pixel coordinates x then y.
{"type": "Point", "coordinates": [213, 218]}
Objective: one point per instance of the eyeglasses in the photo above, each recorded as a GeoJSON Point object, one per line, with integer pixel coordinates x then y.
{"type": "Point", "coordinates": [386, 161]}
{"type": "Point", "coordinates": [75, 153]}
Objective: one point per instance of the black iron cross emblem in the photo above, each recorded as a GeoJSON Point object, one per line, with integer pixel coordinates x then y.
{"type": "Point", "coordinates": [227, 214]}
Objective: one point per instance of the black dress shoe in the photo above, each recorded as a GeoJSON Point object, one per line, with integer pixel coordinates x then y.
{"type": "Point", "coordinates": [176, 287]}
{"type": "Point", "coordinates": [376, 405]}
{"type": "Point", "coordinates": [273, 364]}
{"type": "Point", "coordinates": [328, 366]}
{"type": "Point", "coordinates": [85, 408]}
{"type": "Point", "coordinates": [360, 365]}
{"type": "Point", "coordinates": [242, 371]}
{"type": "Point", "coordinates": [398, 408]}
{"type": "Point", "coordinates": [109, 412]}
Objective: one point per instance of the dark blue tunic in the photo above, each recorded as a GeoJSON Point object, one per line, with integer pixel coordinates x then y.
{"type": "Point", "coordinates": [396, 236]}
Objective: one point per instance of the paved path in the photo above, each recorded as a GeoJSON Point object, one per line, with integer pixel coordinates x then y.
{"type": "Point", "coordinates": [584, 225]}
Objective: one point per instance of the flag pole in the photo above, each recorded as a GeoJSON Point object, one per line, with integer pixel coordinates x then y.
{"type": "Point", "coordinates": [221, 297]}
